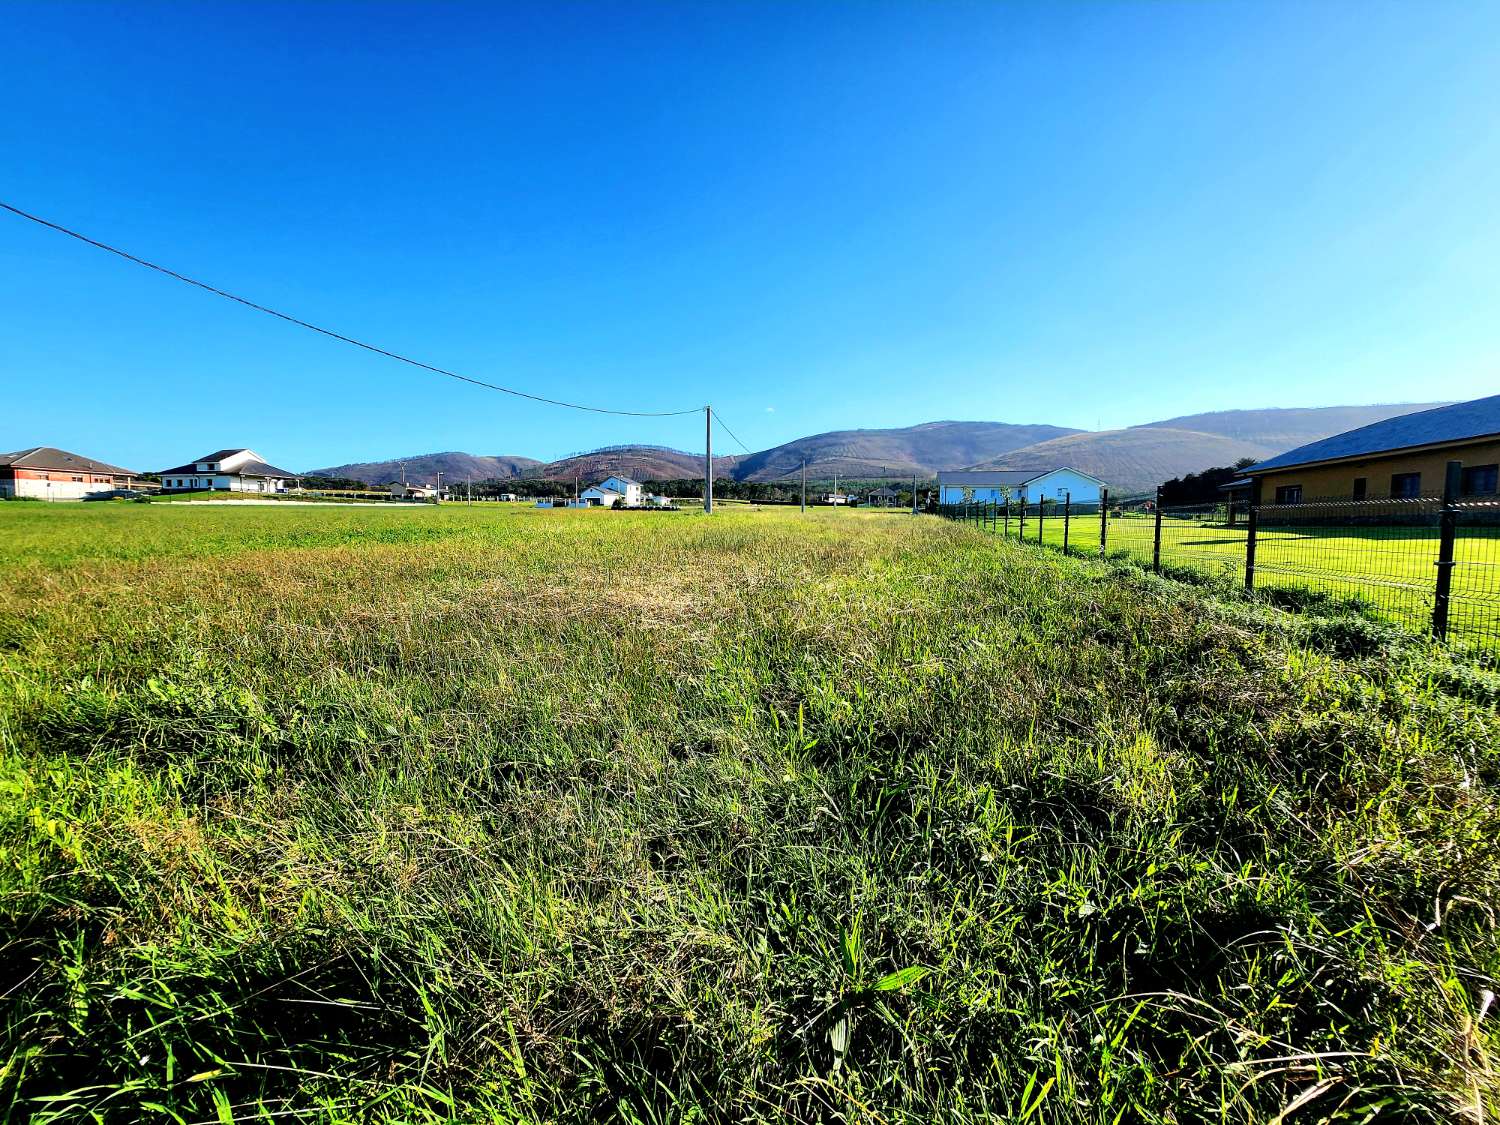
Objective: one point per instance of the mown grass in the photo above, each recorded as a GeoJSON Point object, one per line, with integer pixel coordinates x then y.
{"type": "Point", "coordinates": [505, 815]}
{"type": "Point", "coordinates": [1390, 569]}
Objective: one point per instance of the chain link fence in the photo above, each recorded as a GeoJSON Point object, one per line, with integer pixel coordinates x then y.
{"type": "Point", "coordinates": [1430, 564]}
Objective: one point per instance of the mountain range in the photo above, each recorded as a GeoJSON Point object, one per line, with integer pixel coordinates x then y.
{"type": "Point", "coordinates": [1131, 459]}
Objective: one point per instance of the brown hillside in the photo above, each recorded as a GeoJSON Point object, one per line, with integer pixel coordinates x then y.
{"type": "Point", "coordinates": [1131, 460]}
{"type": "Point", "coordinates": [640, 462]}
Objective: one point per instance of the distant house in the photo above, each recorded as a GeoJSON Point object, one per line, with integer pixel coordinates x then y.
{"type": "Point", "coordinates": [401, 491]}
{"type": "Point", "coordinates": [629, 491]}
{"type": "Point", "coordinates": [835, 498]}
{"type": "Point", "coordinates": [597, 496]}
{"type": "Point", "coordinates": [658, 500]}
{"type": "Point", "coordinates": [1027, 486]}
{"type": "Point", "coordinates": [227, 470]}
{"type": "Point", "coordinates": [47, 473]}
{"type": "Point", "coordinates": [883, 497]}
{"type": "Point", "coordinates": [1400, 458]}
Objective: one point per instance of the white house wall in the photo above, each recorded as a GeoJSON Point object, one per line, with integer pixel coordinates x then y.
{"type": "Point", "coordinates": [53, 489]}
{"type": "Point", "coordinates": [1063, 482]}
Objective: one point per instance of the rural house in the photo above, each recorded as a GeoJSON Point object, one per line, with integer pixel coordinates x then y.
{"type": "Point", "coordinates": [1399, 458]}
{"type": "Point", "coordinates": [227, 470]}
{"type": "Point", "coordinates": [1026, 486]}
{"type": "Point", "coordinates": [403, 491]}
{"type": "Point", "coordinates": [612, 491]}
{"type": "Point", "coordinates": [46, 473]}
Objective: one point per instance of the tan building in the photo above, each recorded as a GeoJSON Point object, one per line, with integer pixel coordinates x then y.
{"type": "Point", "coordinates": [1400, 458]}
{"type": "Point", "coordinates": [47, 473]}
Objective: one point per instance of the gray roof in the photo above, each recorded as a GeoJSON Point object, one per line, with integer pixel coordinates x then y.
{"type": "Point", "coordinates": [1462, 421]}
{"type": "Point", "coordinates": [50, 457]}
{"type": "Point", "coordinates": [248, 469]}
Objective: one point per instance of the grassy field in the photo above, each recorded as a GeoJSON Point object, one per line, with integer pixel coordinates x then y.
{"type": "Point", "coordinates": [499, 815]}
{"type": "Point", "coordinates": [1390, 569]}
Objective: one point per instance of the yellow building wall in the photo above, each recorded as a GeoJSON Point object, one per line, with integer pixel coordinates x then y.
{"type": "Point", "coordinates": [1336, 482]}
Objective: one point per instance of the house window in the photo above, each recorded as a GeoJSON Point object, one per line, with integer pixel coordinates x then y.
{"type": "Point", "coordinates": [1361, 487]}
{"type": "Point", "coordinates": [1480, 480]}
{"type": "Point", "coordinates": [1289, 494]}
{"type": "Point", "coordinates": [1406, 486]}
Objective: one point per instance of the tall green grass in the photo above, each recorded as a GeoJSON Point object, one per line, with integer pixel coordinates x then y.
{"type": "Point", "coordinates": [442, 815]}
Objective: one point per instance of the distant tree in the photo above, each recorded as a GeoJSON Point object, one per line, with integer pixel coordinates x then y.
{"type": "Point", "coordinates": [1202, 488]}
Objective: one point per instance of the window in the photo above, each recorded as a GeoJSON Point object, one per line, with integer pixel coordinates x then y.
{"type": "Point", "coordinates": [1406, 486]}
{"type": "Point", "coordinates": [1361, 487]}
{"type": "Point", "coordinates": [1480, 480]}
{"type": "Point", "coordinates": [1289, 494]}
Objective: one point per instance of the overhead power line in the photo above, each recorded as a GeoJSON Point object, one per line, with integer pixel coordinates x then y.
{"type": "Point", "coordinates": [129, 257]}
{"type": "Point", "coordinates": [730, 432]}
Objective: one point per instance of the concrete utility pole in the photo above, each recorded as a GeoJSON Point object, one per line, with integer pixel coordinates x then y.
{"type": "Point", "coordinates": [804, 484]}
{"type": "Point", "coordinates": [438, 494]}
{"type": "Point", "coordinates": [403, 474]}
{"type": "Point", "coordinates": [708, 460]}
{"type": "Point", "coordinates": [914, 494]}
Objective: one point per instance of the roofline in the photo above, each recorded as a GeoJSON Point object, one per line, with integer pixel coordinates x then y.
{"type": "Point", "coordinates": [1400, 450]}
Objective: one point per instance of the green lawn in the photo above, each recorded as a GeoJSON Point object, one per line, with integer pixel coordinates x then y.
{"type": "Point", "coordinates": [491, 814]}
{"type": "Point", "coordinates": [1391, 569]}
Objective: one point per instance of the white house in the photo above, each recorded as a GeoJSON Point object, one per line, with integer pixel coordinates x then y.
{"type": "Point", "coordinates": [401, 491]}
{"type": "Point", "coordinates": [1026, 486]}
{"type": "Point", "coordinates": [227, 470]}
{"type": "Point", "coordinates": [597, 496]}
{"type": "Point", "coordinates": [629, 490]}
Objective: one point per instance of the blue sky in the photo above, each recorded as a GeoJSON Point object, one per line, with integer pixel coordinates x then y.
{"type": "Point", "coordinates": [816, 217]}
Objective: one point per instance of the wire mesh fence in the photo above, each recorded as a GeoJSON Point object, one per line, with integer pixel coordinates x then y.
{"type": "Point", "coordinates": [1430, 564]}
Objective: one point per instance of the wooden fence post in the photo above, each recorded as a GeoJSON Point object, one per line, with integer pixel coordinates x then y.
{"type": "Point", "coordinates": [1156, 538]}
{"type": "Point", "coordinates": [1447, 533]}
{"type": "Point", "coordinates": [1103, 522]}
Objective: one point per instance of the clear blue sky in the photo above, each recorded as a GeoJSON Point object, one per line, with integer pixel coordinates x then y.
{"type": "Point", "coordinates": [817, 217]}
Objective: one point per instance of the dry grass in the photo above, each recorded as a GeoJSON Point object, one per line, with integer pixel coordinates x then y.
{"type": "Point", "coordinates": [408, 815]}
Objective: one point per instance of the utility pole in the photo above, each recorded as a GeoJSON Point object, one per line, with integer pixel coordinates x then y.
{"type": "Point", "coordinates": [804, 484]}
{"type": "Point", "coordinates": [708, 460]}
{"type": "Point", "coordinates": [914, 494]}
{"type": "Point", "coordinates": [403, 474]}
{"type": "Point", "coordinates": [438, 495]}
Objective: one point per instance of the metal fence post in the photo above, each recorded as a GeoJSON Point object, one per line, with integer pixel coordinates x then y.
{"type": "Point", "coordinates": [1021, 527]}
{"type": "Point", "coordinates": [1007, 515]}
{"type": "Point", "coordinates": [1252, 526]}
{"type": "Point", "coordinates": [1067, 518]}
{"type": "Point", "coordinates": [1447, 533]}
{"type": "Point", "coordinates": [1103, 522]}
{"type": "Point", "coordinates": [1156, 537]}
{"type": "Point", "coordinates": [1041, 517]}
